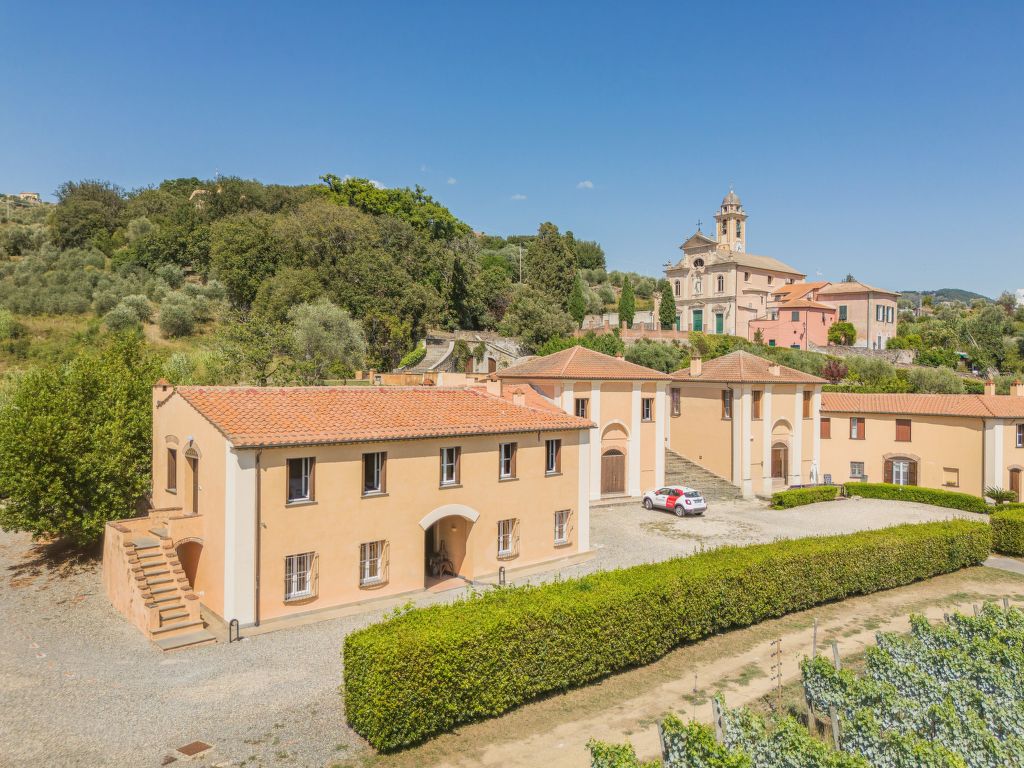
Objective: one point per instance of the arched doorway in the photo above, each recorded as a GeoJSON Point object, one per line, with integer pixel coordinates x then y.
{"type": "Point", "coordinates": [445, 541]}
{"type": "Point", "coordinates": [189, 551]}
{"type": "Point", "coordinates": [901, 470]}
{"type": "Point", "coordinates": [780, 461]}
{"type": "Point", "coordinates": [613, 471]}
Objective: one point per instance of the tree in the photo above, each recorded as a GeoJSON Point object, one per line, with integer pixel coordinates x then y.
{"type": "Point", "coordinates": [177, 316]}
{"type": "Point", "coordinates": [605, 343]}
{"type": "Point", "coordinates": [458, 296]}
{"type": "Point", "coordinates": [667, 310]}
{"type": "Point", "coordinates": [549, 264]}
{"type": "Point", "coordinates": [627, 303]}
{"type": "Point", "coordinates": [658, 355]}
{"type": "Point", "coordinates": [834, 371]}
{"type": "Point", "coordinates": [759, 337]}
{"type": "Point", "coordinates": [589, 254]}
{"type": "Point", "coordinates": [243, 254]}
{"type": "Point", "coordinates": [324, 339]}
{"type": "Point", "coordinates": [842, 334]}
{"type": "Point", "coordinates": [577, 302]}
{"type": "Point", "coordinates": [87, 213]}
{"type": "Point", "coordinates": [252, 348]}
{"type": "Point", "coordinates": [75, 442]}
{"type": "Point", "coordinates": [533, 318]}
{"type": "Point", "coordinates": [289, 287]}
{"type": "Point", "coordinates": [387, 340]}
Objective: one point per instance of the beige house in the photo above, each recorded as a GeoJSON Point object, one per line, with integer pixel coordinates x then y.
{"type": "Point", "coordinates": [958, 442]}
{"type": "Point", "coordinates": [748, 420]}
{"type": "Point", "coordinates": [718, 286]}
{"type": "Point", "coordinates": [272, 502]}
{"type": "Point", "coordinates": [627, 403]}
{"type": "Point", "coordinates": [872, 311]}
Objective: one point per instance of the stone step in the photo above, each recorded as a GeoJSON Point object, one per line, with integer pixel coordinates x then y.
{"type": "Point", "coordinates": [180, 614]}
{"type": "Point", "coordinates": [146, 542]}
{"type": "Point", "coordinates": [167, 598]}
{"type": "Point", "coordinates": [159, 581]}
{"type": "Point", "coordinates": [160, 533]}
{"type": "Point", "coordinates": [164, 590]}
{"type": "Point", "coordinates": [177, 626]}
{"type": "Point", "coordinates": [148, 555]}
{"type": "Point", "coordinates": [188, 640]}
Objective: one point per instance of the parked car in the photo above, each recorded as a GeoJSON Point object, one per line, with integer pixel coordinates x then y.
{"type": "Point", "coordinates": [680, 499]}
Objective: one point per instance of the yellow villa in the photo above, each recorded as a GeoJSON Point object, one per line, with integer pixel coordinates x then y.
{"type": "Point", "coordinates": [748, 420]}
{"type": "Point", "coordinates": [958, 442]}
{"type": "Point", "coordinates": [272, 502]}
{"type": "Point", "coordinates": [627, 403]}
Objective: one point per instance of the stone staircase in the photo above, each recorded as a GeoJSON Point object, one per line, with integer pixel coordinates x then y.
{"type": "Point", "coordinates": [682, 471]}
{"type": "Point", "coordinates": [166, 607]}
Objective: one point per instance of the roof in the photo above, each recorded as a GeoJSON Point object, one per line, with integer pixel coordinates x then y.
{"type": "Point", "coordinates": [731, 199]}
{"type": "Point", "coordinates": [252, 417]}
{"type": "Point", "coordinates": [976, 406]}
{"type": "Point", "coordinates": [799, 290]}
{"type": "Point", "coordinates": [806, 304]}
{"type": "Point", "coordinates": [747, 368]}
{"type": "Point", "coordinates": [580, 363]}
{"type": "Point", "coordinates": [853, 287]}
{"type": "Point", "coordinates": [758, 262]}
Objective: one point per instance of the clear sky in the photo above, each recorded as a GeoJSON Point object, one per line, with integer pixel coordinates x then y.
{"type": "Point", "coordinates": [878, 138]}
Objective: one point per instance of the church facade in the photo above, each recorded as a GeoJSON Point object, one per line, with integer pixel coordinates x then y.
{"type": "Point", "coordinates": [718, 286]}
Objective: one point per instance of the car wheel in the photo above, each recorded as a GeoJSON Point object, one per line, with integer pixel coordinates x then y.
{"type": "Point", "coordinates": [648, 504]}
{"type": "Point", "coordinates": [680, 512]}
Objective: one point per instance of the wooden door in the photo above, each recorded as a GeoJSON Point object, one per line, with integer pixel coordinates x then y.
{"type": "Point", "coordinates": [613, 472]}
{"type": "Point", "coordinates": [193, 464]}
{"type": "Point", "coordinates": [780, 461]}
{"type": "Point", "coordinates": [1015, 482]}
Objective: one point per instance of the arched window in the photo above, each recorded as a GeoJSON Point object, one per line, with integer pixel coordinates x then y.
{"type": "Point", "coordinates": [678, 287]}
{"type": "Point", "coordinates": [723, 227]}
{"type": "Point", "coordinates": [720, 283]}
{"type": "Point", "coordinates": [739, 229]}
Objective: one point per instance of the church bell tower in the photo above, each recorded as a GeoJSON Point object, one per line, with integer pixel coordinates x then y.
{"type": "Point", "coordinates": [731, 223]}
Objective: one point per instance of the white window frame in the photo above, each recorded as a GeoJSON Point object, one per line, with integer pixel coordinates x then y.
{"type": "Point", "coordinates": [506, 537]}
{"type": "Point", "coordinates": [378, 471]}
{"type": "Point", "coordinates": [551, 449]}
{"type": "Point", "coordinates": [853, 469]}
{"type": "Point", "coordinates": [1020, 435]}
{"type": "Point", "coordinates": [562, 526]}
{"type": "Point", "coordinates": [585, 403]}
{"type": "Point", "coordinates": [647, 409]}
{"type": "Point", "coordinates": [855, 428]}
{"type": "Point", "coordinates": [307, 471]}
{"type": "Point", "coordinates": [371, 562]}
{"type": "Point", "coordinates": [505, 453]}
{"type": "Point", "coordinates": [298, 575]}
{"type": "Point", "coordinates": [901, 471]}
{"type": "Point", "coordinates": [448, 473]}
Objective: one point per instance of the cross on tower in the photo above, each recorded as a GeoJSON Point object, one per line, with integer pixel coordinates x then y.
{"type": "Point", "coordinates": [699, 222]}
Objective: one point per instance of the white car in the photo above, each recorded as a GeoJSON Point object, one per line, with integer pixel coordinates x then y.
{"type": "Point", "coordinates": [680, 499]}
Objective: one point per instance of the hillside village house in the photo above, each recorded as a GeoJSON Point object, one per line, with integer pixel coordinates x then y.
{"type": "Point", "coordinates": [718, 286]}
{"type": "Point", "coordinates": [748, 420]}
{"type": "Point", "coordinates": [627, 403]}
{"type": "Point", "coordinates": [271, 502]}
{"type": "Point", "coordinates": [872, 311]}
{"type": "Point", "coordinates": [956, 442]}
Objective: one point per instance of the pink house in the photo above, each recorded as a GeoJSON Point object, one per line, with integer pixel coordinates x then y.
{"type": "Point", "coordinates": [795, 324]}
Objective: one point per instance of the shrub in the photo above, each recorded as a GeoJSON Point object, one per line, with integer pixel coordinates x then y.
{"type": "Point", "coordinates": [933, 496]}
{"type": "Point", "coordinates": [604, 755]}
{"type": "Point", "coordinates": [999, 495]}
{"type": "Point", "coordinates": [171, 274]}
{"type": "Point", "coordinates": [797, 497]}
{"type": "Point", "coordinates": [177, 316]}
{"type": "Point", "coordinates": [1008, 530]}
{"type": "Point", "coordinates": [121, 318]}
{"type": "Point", "coordinates": [138, 304]}
{"type": "Point", "coordinates": [413, 356]}
{"type": "Point", "coordinates": [430, 669]}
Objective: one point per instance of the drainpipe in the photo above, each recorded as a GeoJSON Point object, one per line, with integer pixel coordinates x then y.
{"type": "Point", "coordinates": [259, 527]}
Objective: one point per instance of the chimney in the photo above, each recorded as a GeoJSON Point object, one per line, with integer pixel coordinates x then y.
{"type": "Point", "coordinates": [696, 366]}
{"type": "Point", "coordinates": [161, 391]}
{"type": "Point", "coordinates": [1017, 388]}
{"type": "Point", "coordinates": [494, 387]}
{"type": "Point", "coordinates": [518, 396]}
{"type": "Point", "coordinates": [990, 387]}
{"type": "Point", "coordinates": [774, 369]}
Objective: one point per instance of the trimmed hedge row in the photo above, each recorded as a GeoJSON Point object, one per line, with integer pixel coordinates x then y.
{"type": "Point", "coordinates": [797, 497]}
{"type": "Point", "coordinates": [933, 496]}
{"type": "Point", "coordinates": [1008, 530]}
{"type": "Point", "coordinates": [428, 670]}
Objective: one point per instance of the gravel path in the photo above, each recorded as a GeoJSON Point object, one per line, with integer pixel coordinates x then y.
{"type": "Point", "coordinates": [79, 686]}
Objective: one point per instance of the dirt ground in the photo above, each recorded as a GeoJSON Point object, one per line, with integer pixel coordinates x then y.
{"type": "Point", "coordinates": [627, 706]}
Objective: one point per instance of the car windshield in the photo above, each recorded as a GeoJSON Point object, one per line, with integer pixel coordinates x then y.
{"type": "Point", "coordinates": [693, 494]}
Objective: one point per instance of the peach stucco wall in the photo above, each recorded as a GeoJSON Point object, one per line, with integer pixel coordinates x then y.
{"type": "Point", "coordinates": [340, 519]}
{"type": "Point", "coordinates": [937, 442]}
{"type": "Point", "coordinates": [812, 327]}
{"type": "Point", "coordinates": [860, 308]}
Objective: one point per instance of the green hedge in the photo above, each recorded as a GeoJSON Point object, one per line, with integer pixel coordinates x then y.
{"type": "Point", "coordinates": [428, 670]}
{"type": "Point", "coordinates": [413, 357]}
{"type": "Point", "coordinates": [1008, 529]}
{"type": "Point", "coordinates": [933, 496]}
{"type": "Point", "coordinates": [797, 497]}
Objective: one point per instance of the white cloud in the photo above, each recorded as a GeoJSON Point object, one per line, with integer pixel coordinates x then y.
{"type": "Point", "coordinates": [373, 182]}
{"type": "Point", "coordinates": [585, 184]}
{"type": "Point", "coordinates": [518, 196]}
{"type": "Point", "coordinates": [452, 180]}
{"type": "Point", "coordinates": [423, 168]}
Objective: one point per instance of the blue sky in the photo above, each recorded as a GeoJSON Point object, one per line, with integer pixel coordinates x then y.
{"type": "Point", "coordinates": [878, 138]}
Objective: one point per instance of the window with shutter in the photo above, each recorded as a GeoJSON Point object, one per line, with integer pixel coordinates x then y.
{"type": "Point", "coordinates": [677, 401]}
{"type": "Point", "coordinates": [826, 428]}
{"type": "Point", "coordinates": [903, 430]}
{"type": "Point", "coordinates": [755, 404]}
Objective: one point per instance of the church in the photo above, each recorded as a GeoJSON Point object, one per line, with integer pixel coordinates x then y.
{"type": "Point", "coordinates": [718, 286]}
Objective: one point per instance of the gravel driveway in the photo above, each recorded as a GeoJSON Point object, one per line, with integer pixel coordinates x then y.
{"type": "Point", "coordinates": [79, 686]}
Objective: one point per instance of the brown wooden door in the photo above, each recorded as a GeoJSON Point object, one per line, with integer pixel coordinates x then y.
{"type": "Point", "coordinates": [1015, 482]}
{"type": "Point", "coordinates": [780, 461]}
{"type": "Point", "coordinates": [613, 472]}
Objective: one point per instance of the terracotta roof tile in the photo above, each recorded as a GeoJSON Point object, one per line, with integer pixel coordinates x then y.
{"type": "Point", "coordinates": [836, 289]}
{"type": "Point", "coordinates": [580, 363]}
{"type": "Point", "coordinates": [806, 304]}
{"type": "Point", "coordinates": [267, 416]}
{"type": "Point", "coordinates": [745, 367]}
{"type": "Point", "coordinates": [976, 406]}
